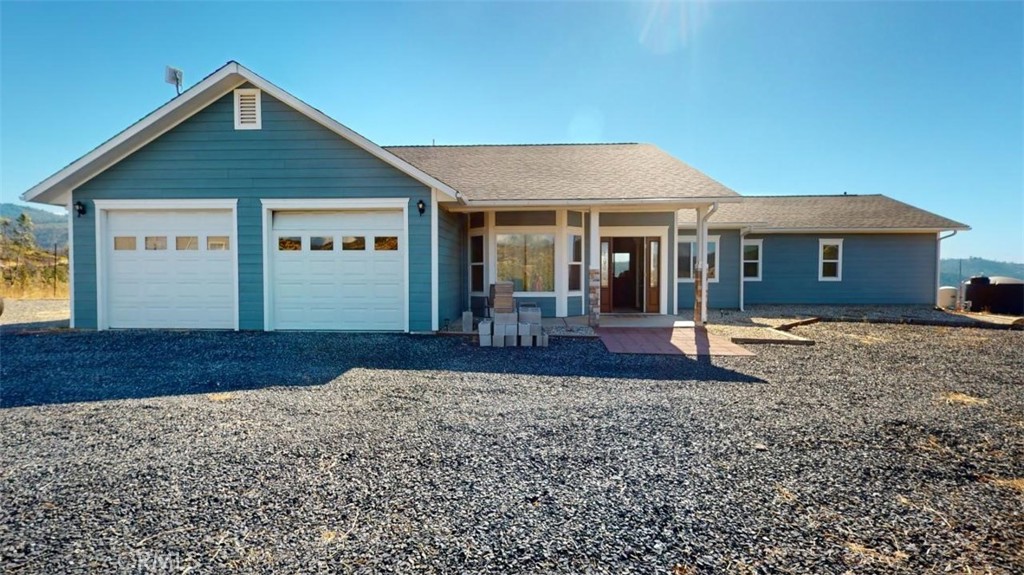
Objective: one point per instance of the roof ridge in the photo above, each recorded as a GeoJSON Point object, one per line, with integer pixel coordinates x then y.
{"type": "Point", "coordinates": [817, 196]}
{"type": "Point", "coordinates": [564, 144]}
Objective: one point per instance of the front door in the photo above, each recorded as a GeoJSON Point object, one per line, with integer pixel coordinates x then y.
{"type": "Point", "coordinates": [606, 274]}
{"type": "Point", "coordinates": [653, 275]}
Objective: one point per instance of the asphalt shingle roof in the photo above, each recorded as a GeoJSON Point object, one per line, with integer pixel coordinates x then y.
{"type": "Point", "coordinates": [823, 213]}
{"type": "Point", "coordinates": [562, 172]}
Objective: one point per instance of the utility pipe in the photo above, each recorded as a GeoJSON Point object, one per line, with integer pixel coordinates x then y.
{"type": "Point", "coordinates": [702, 259]}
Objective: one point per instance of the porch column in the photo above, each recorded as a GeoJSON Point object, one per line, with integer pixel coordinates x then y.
{"type": "Point", "coordinates": [594, 273]}
{"type": "Point", "coordinates": [699, 269]}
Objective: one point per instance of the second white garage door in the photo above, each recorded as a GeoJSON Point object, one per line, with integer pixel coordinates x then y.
{"type": "Point", "coordinates": [339, 270]}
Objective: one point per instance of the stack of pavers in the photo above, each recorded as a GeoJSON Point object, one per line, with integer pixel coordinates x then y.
{"type": "Point", "coordinates": [509, 328]}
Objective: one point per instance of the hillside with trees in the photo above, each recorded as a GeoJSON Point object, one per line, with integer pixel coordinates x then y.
{"type": "Point", "coordinates": [49, 228]}
{"type": "Point", "coordinates": [950, 270]}
{"type": "Point", "coordinates": [26, 270]}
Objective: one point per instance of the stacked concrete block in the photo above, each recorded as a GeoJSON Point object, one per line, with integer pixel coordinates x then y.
{"type": "Point", "coordinates": [511, 329]}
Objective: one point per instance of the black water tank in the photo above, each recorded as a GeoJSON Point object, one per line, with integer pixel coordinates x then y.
{"type": "Point", "coordinates": [980, 281]}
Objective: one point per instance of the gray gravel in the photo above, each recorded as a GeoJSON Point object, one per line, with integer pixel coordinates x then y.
{"type": "Point", "coordinates": [304, 453]}
{"type": "Point", "coordinates": [35, 313]}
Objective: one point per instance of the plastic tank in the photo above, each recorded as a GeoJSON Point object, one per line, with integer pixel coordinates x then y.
{"type": "Point", "coordinates": [947, 297]}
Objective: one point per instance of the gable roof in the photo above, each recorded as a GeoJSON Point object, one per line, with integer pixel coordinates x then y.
{"type": "Point", "coordinates": [54, 189]}
{"type": "Point", "coordinates": [603, 173]}
{"type": "Point", "coordinates": [793, 214]}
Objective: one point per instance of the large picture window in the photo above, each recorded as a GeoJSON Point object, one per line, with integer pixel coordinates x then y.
{"type": "Point", "coordinates": [687, 259]}
{"type": "Point", "coordinates": [528, 261]}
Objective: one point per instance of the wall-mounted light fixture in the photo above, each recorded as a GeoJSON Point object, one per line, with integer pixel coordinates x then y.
{"type": "Point", "coordinates": [80, 209]}
{"type": "Point", "coordinates": [421, 207]}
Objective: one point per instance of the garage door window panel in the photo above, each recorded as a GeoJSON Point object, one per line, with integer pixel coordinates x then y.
{"type": "Point", "coordinates": [289, 244]}
{"type": "Point", "coordinates": [385, 243]}
{"type": "Point", "coordinates": [321, 243]}
{"type": "Point", "coordinates": [353, 243]}
{"type": "Point", "coordinates": [156, 243]}
{"type": "Point", "coordinates": [124, 243]}
{"type": "Point", "coordinates": [186, 243]}
{"type": "Point", "coordinates": [217, 243]}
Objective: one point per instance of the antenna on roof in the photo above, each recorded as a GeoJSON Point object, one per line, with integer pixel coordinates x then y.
{"type": "Point", "coordinates": [174, 76]}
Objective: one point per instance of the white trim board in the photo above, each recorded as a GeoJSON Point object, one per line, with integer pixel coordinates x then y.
{"type": "Point", "coordinates": [435, 304]}
{"type": "Point", "coordinates": [53, 189]}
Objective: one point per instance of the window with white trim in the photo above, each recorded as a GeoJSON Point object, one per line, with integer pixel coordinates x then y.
{"type": "Point", "coordinates": [575, 256]}
{"type": "Point", "coordinates": [248, 109]}
{"type": "Point", "coordinates": [477, 281]}
{"type": "Point", "coordinates": [752, 256]}
{"type": "Point", "coordinates": [830, 260]}
{"type": "Point", "coordinates": [527, 260]}
{"type": "Point", "coordinates": [686, 258]}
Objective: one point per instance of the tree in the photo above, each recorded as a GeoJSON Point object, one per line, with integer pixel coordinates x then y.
{"type": "Point", "coordinates": [24, 231]}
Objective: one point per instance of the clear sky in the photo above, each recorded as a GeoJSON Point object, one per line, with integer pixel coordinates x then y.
{"type": "Point", "coordinates": [921, 101]}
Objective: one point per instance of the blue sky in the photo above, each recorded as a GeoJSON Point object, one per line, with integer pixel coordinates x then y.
{"type": "Point", "coordinates": [920, 101]}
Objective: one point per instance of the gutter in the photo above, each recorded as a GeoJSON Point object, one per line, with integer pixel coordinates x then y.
{"type": "Point", "coordinates": [678, 203]}
{"type": "Point", "coordinates": [743, 234]}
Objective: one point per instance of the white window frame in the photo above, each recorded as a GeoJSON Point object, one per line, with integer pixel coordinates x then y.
{"type": "Point", "coordinates": [822, 242]}
{"type": "Point", "coordinates": [693, 248]}
{"type": "Point", "coordinates": [569, 232]}
{"type": "Point", "coordinates": [482, 233]}
{"type": "Point", "coordinates": [759, 261]}
{"type": "Point", "coordinates": [259, 109]}
{"type": "Point", "coordinates": [492, 256]}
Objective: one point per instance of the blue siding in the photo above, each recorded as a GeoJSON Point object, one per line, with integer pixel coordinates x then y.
{"type": "Point", "coordinates": [877, 269]}
{"type": "Point", "coordinates": [725, 293]}
{"type": "Point", "coordinates": [291, 157]}
{"type": "Point", "coordinates": [451, 236]}
{"type": "Point", "coordinates": [575, 305]}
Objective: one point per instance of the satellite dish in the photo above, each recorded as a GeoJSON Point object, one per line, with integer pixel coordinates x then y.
{"type": "Point", "coordinates": [174, 76]}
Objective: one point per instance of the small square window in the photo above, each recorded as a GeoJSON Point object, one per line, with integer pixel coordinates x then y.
{"type": "Point", "coordinates": [217, 243]}
{"type": "Point", "coordinates": [289, 244]}
{"type": "Point", "coordinates": [476, 220]}
{"type": "Point", "coordinates": [353, 243]}
{"type": "Point", "coordinates": [385, 243]}
{"type": "Point", "coordinates": [156, 242]}
{"type": "Point", "coordinates": [186, 243]}
{"type": "Point", "coordinates": [124, 243]}
{"type": "Point", "coordinates": [321, 243]}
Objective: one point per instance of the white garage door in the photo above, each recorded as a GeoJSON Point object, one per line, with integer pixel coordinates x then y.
{"type": "Point", "coordinates": [339, 270]}
{"type": "Point", "coordinates": [170, 269]}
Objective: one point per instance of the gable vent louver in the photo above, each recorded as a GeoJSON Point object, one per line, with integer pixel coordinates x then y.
{"type": "Point", "coordinates": [248, 115]}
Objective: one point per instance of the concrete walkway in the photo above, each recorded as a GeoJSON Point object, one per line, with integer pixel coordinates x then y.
{"type": "Point", "coordinates": [668, 341]}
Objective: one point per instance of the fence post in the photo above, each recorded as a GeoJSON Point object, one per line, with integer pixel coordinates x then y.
{"type": "Point", "coordinates": [54, 270]}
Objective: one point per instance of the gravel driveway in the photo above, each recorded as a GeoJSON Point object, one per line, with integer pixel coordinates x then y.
{"type": "Point", "coordinates": [305, 453]}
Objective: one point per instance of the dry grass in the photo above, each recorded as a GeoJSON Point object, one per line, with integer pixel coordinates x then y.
{"type": "Point", "coordinates": [862, 554]}
{"type": "Point", "coordinates": [1016, 484]}
{"type": "Point", "coordinates": [327, 536]}
{"type": "Point", "coordinates": [956, 397]}
{"type": "Point", "coordinates": [220, 397]}
{"type": "Point", "coordinates": [785, 494]}
{"type": "Point", "coordinates": [33, 291]}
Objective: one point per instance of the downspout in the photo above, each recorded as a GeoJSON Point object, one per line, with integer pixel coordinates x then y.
{"type": "Point", "coordinates": [743, 234]}
{"type": "Point", "coordinates": [704, 264]}
{"type": "Point", "coordinates": [938, 272]}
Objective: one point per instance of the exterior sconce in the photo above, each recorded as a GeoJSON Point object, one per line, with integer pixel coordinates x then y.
{"type": "Point", "coordinates": [421, 207]}
{"type": "Point", "coordinates": [80, 209]}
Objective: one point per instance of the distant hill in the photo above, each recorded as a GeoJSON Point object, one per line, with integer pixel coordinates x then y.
{"type": "Point", "coordinates": [950, 269]}
{"type": "Point", "coordinates": [50, 228]}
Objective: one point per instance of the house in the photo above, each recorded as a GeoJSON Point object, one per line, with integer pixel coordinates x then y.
{"type": "Point", "coordinates": [237, 206]}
